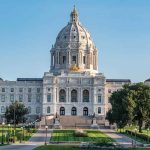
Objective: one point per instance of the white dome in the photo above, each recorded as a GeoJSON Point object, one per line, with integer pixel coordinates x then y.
{"type": "Point", "coordinates": [74, 35]}
{"type": "Point", "coordinates": [74, 49]}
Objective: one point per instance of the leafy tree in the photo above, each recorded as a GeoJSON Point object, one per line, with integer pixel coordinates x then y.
{"type": "Point", "coordinates": [16, 113]}
{"type": "Point", "coordinates": [122, 108]}
{"type": "Point", "coordinates": [141, 96]}
{"type": "Point", "coordinates": [130, 104]}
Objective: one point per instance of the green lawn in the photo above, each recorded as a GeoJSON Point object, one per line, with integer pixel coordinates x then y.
{"type": "Point", "coordinates": [66, 147]}
{"type": "Point", "coordinates": [68, 135]}
{"type": "Point", "coordinates": [132, 128]}
{"type": "Point", "coordinates": [20, 134]}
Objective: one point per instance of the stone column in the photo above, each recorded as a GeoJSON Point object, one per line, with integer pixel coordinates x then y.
{"type": "Point", "coordinates": [79, 94]}
{"type": "Point", "coordinates": [69, 95]}
{"type": "Point", "coordinates": [96, 62]}
{"type": "Point", "coordinates": [88, 61]}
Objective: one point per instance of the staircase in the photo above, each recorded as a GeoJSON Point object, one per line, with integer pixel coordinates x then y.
{"type": "Point", "coordinates": [75, 121]}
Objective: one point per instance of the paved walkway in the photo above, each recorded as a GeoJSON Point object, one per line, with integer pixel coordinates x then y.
{"type": "Point", "coordinates": [120, 138]}
{"type": "Point", "coordinates": [36, 140]}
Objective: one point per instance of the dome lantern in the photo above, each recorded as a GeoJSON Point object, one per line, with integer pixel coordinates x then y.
{"type": "Point", "coordinates": [74, 15]}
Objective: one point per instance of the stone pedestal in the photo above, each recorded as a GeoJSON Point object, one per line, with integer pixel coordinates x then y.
{"type": "Point", "coordinates": [57, 124]}
{"type": "Point", "coordinates": [94, 124]}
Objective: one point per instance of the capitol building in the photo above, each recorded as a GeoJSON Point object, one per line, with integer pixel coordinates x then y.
{"type": "Point", "coordinates": [72, 88]}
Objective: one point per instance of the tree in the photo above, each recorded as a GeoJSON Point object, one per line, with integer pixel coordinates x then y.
{"type": "Point", "coordinates": [130, 104]}
{"type": "Point", "coordinates": [16, 113]}
{"type": "Point", "coordinates": [141, 96]}
{"type": "Point", "coordinates": [122, 108]}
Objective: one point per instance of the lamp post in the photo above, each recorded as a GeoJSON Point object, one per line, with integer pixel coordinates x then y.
{"type": "Point", "coordinates": [8, 133]}
{"type": "Point", "coordinates": [14, 122]}
{"type": "Point", "coordinates": [147, 135]}
{"type": "Point", "coordinates": [135, 135]}
{"type": "Point", "coordinates": [3, 123]}
{"type": "Point", "coordinates": [23, 132]}
{"type": "Point", "coordinates": [46, 127]}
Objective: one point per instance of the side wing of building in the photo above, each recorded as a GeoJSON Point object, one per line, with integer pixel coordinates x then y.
{"type": "Point", "coordinates": [25, 90]}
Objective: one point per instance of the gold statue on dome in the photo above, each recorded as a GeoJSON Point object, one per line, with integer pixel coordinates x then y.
{"type": "Point", "coordinates": [74, 67]}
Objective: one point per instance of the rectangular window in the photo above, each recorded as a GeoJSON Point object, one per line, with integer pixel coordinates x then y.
{"type": "Point", "coordinates": [99, 110]}
{"type": "Point", "coordinates": [37, 98]}
{"type": "Point", "coordinates": [49, 98]}
{"type": "Point", "coordinates": [11, 97]}
{"type": "Point", "coordinates": [20, 90]}
{"type": "Point", "coordinates": [83, 59]}
{"type": "Point", "coordinates": [3, 89]}
{"type": "Point", "coordinates": [20, 98]}
{"type": "Point", "coordinates": [3, 98]}
{"type": "Point", "coordinates": [29, 97]}
{"type": "Point", "coordinates": [99, 98]}
{"type": "Point", "coordinates": [37, 110]}
{"type": "Point", "coordinates": [12, 90]}
{"type": "Point", "coordinates": [74, 59]}
{"type": "Point", "coordinates": [38, 90]}
{"type": "Point", "coordinates": [29, 90]}
{"type": "Point", "coordinates": [3, 109]}
{"type": "Point", "coordinates": [109, 90]}
{"type": "Point", "coordinates": [64, 59]}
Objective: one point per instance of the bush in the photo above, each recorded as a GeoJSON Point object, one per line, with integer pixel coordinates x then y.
{"type": "Point", "coordinates": [139, 135]}
{"type": "Point", "coordinates": [80, 133]}
{"type": "Point", "coordinates": [12, 139]}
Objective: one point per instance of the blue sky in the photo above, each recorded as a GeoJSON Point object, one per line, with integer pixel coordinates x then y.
{"type": "Point", "coordinates": [120, 30]}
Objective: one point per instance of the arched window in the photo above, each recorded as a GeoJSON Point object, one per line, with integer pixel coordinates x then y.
{"type": "Point", "coordinates": [74, 96]}
{"type": "Point", "coordinates": [29, 110]}
{"type": "Point", "coordinates": [85, 96]}
{"type": "Point", "coordinates": [85, 111]}
{"type": "Point", "coordinates": [62, 95]}
{"type": "Point", "coordinates": [48, 110]}
{"type": "Point", "coordinates": [73, 111]}
{"type": "Point", "coordinates": [62, 111]}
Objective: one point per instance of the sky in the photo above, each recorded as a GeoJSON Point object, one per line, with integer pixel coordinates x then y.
{"type": "Point", "coordinates": [120, 30]}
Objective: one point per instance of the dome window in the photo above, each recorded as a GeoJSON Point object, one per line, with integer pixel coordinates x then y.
{"type": "Point", "coordinates": [64, 59]}
{"type": "Point", "coordinates": [65, 37]}
{"type": "Point", "coordinates": [74, 37]}
{"type": "Point", "coordinates": [83, 37]}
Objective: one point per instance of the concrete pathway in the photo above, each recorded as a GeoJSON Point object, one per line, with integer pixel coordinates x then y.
{"type": "Point", "coordinates": [37, 139]}
{"type": "Point", "coordinates": [120, 138]}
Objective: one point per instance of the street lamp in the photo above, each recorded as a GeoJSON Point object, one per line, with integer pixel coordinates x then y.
{"type": "Point", "coordinates": [3, 123]}
{"type": "Point", "coordinates": [14, 122]}
{"type": "Point", "coordinates": [23, 132]}
{"type": "Point", "coordinates": [135, 135]}
{"type": "Point", "coordinates": [46, 127]}
{"type": "Point", "coordinates": [147, 135]}
{"type": "Point", "coordinates": [8, 133]}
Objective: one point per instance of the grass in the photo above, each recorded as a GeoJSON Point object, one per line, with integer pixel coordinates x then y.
{"type": "Point", "coordinates": [68, 135]}
{"type": "Point", "coordinates": [66, 147]}
{"type": "Point", "coordinates": [132, 128]}
{"type": "Point", "coordinates": [9, 132]}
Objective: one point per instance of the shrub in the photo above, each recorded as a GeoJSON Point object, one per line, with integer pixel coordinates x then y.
{"type": "Point", "coordinates": [140, 135]}
{"type": "Point", "coordinates": [80, 133]}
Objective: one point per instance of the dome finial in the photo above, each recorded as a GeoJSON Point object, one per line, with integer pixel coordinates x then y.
{"type": "Point", "coordinates": [74, 15]}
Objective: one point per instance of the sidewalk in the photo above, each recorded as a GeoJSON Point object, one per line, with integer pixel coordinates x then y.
{"type": "Point", "coordinates": [120, 138]}
{"type": "Point", "coordinates": [37, 139]}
